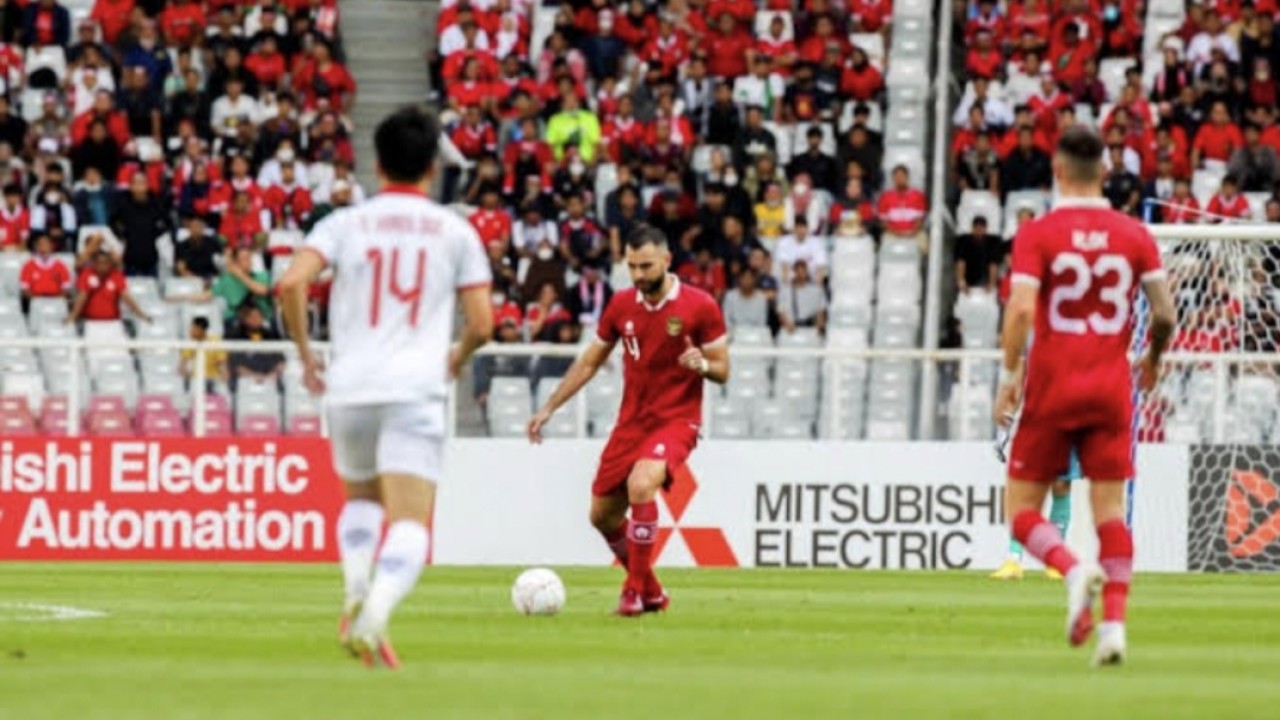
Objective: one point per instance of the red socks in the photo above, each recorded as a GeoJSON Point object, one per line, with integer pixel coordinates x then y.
{"type": "Point", "coordinates": [1042, 539]}
{"type": "Point", "coordinates": [642, 532]}
{"type": "Point", "coordinates": [1115, 554]}
{"type": "Point", "coordinates": [617, 542]}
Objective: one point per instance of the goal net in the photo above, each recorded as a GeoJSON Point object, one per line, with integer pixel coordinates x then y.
{"type": "Point", "coordinates": [1220, 388]}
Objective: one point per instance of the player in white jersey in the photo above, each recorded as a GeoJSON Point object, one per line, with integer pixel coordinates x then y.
{"type": "Point", "coordinates": [402, 263]}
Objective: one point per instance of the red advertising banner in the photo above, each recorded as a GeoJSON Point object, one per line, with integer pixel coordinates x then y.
{"type": "Point", "coordinates": [227, 499]}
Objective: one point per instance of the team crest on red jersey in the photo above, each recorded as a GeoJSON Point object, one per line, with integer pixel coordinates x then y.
{"type": "Point", "coordinates": [674, 326]}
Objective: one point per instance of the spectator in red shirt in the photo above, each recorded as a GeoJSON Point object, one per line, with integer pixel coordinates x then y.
{"type": "Point", "coordinates": [475, 136]}
{"type": "Point", "coordinates": [985, 60]}
{"type": "Point", "coordinates": [182, 22]}
{"type": "Point", "coordinates": [104, 109]}
{"type": "Point", "coordinates": [853, 214]}
{"type": "Point", "coordinates": [704, 272]}
{"type": "Point", "coordinates": [777, 47]}
{"type": "Point", "coordinates": [266, 63]}
{"type": "Point", "coordinates": [242, 223]}
{"type": "Point", "coordinates": [44, 275]}
{"type": "Point", "coordinates": [819, 44]}
{"type": "Point", "coordinates": [869, 16]}
{"type": "Point", "coordinates": [15, 220]}
{"type": "Point", "coordinates": [470, 90]}
{"type": "Point", "coordinates": [744, 11]}
{"type": "Point", "coordinates": [860, 80]}
{"type": "Point", "coordinates": [101, 288]}
{"type": "Point", "coordinates": [1228, 203]}
{"type": "Point", "coordinates": [324, 77]}
{"type": "Point", "coordinates": [289, 202]}
{"type": "Point", "coordinates": [727, 49]}
{"type": "Point", "coordinates": [1217, 139]}
{"type": "Point", "coordinates": [491, 221]}
{"type": "Point", "coordinates": [1030, 15]}
{"type": "Point", "coordinates": [902, 208]}
{"type": "Point", "coordinates": [1182, 208]}
{"type": "Point", "coordinates": [112, 16]}
{"type": "Point", "coordinates": [988, 18]}
{"type": "Point", "coordinates": [1069, 57]}
{"type": "Point", "coordinates": [636, 26]}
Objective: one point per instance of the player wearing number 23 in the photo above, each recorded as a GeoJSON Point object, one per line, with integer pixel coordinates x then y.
{"type": "Point", "coordinates": [1087, 262]}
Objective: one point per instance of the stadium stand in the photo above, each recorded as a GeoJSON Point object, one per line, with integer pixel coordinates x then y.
{"type": "Point", "coordinates": [141, 145]}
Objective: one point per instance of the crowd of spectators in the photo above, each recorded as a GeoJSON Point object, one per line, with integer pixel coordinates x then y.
{"type": "Point", "coordinates": [170, 138]}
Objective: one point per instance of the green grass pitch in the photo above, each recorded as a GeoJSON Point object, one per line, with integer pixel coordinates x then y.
{"type": "Point", "coordinates": [246, 642]}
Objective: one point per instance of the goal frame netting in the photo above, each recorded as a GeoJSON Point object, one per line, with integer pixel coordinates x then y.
{"type": "Point", "coordinates": [1219, 390]}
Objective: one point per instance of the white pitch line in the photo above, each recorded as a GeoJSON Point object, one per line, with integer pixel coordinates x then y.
{"type": "Point", "coordinates": [37, 612]}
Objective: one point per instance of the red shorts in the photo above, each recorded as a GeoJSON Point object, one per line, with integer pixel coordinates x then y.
{"type": "Point", "coordinates": [627, 446]}
{"type": "Point", "coordinates": [1041, 451]}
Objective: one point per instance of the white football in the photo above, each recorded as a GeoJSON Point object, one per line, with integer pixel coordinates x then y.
{"type": "Point", "coordinates": [538, 591]}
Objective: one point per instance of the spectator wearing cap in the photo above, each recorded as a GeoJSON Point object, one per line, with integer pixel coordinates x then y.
{"type": "Point", "coordinates": [802, 303]}
{"type": "Point", "coordinates": [45, 22]}
{"type": "Point", "coordinates": [15, 221]}
{"type": "Point", "coordinates": [902, 208]}
{"type": "Point", "coordinates": [1228, 203]}
{"type": "Point", "coordinates": [197, 249]}
{"type": "Point", "coordinates": [978, 256]}
{"type": "Point", "coordinates": [94, 199]}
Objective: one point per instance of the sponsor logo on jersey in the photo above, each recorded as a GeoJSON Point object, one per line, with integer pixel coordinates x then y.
{"type": "Point", "coordinates": [674, 326]}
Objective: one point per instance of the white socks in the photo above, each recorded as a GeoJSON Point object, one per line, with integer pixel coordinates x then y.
{"type": "Point", "coordinates": [400, 562]}
{"type": "Point", "coordinates": [359, 530]}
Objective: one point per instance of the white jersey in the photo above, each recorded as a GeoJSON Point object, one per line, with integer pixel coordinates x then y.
{"type": "Point", "coordinates": [400, 260]}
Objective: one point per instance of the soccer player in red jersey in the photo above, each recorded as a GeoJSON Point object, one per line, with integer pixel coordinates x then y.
{"type": "Point", "coordinates": [673, 338]}
{"type": "Point", "coordinates": [1076, 273]}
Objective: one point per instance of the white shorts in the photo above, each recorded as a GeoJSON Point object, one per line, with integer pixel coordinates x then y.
{"type": "Point", "coordinates": [400, 438]}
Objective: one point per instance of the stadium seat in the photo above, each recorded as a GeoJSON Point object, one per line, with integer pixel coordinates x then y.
{"type": "Point", "coordinates": [10, 270]}
{"type": "Point", "coordinates": [979, 203]}
{"type": "Point", "coordinates": [16, 424]}
{"type": "Point", "coordinates": [29, 385]}
{"type": "Point", "coordinates": [182, 288]}
{"type": "Point", "coordinates": [731, 429]}
{"type": "Point", "coordinates": [110, 424]}
{"type": "Point", "coordinates": [258, 426]}
{"type": "Point", "coordinates": [304, 426]}
{"type": "Point", "coordinates": [161, 424]}
{"type": "Point", "coordinates": [911, 157]}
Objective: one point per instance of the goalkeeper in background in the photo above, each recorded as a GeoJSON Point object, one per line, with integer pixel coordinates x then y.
{"type": "Point", "coordinates": [1059, 508]}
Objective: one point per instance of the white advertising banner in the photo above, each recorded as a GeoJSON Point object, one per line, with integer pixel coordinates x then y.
{"type": "Point", "coordinates": [781, 504]}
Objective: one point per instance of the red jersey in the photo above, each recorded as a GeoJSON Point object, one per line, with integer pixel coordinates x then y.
{"type": "Point", "coordinates": [103, 294]}
{"type": "Point", "coordinates": [492, 225]}
{"type": "Point", "coordinates": [1181, 212]}
{"type": "Point", "coordinates": [902, 212]}
{"type": "Point", "coordinates": [1218, 142]}
{"type": "Point", "coordinates": [1222, 206]}
{"type": "Point", "coordinates": [14, 227]}
{"type": "Point", "coordinates": [657, 390]}
{"type": "Point", "coordinates": [182, 24]}
{"type": "Point", "coordinates": [44, 277]}
{"type": "Point", "coordinates": [1087, 261]}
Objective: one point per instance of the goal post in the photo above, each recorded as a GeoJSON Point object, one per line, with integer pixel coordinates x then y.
{"type": "Point", "coordinates": [1220, 389]}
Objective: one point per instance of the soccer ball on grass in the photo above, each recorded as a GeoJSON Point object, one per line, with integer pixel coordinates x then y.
{"type": "Point", "coordinates": [538, 591]}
